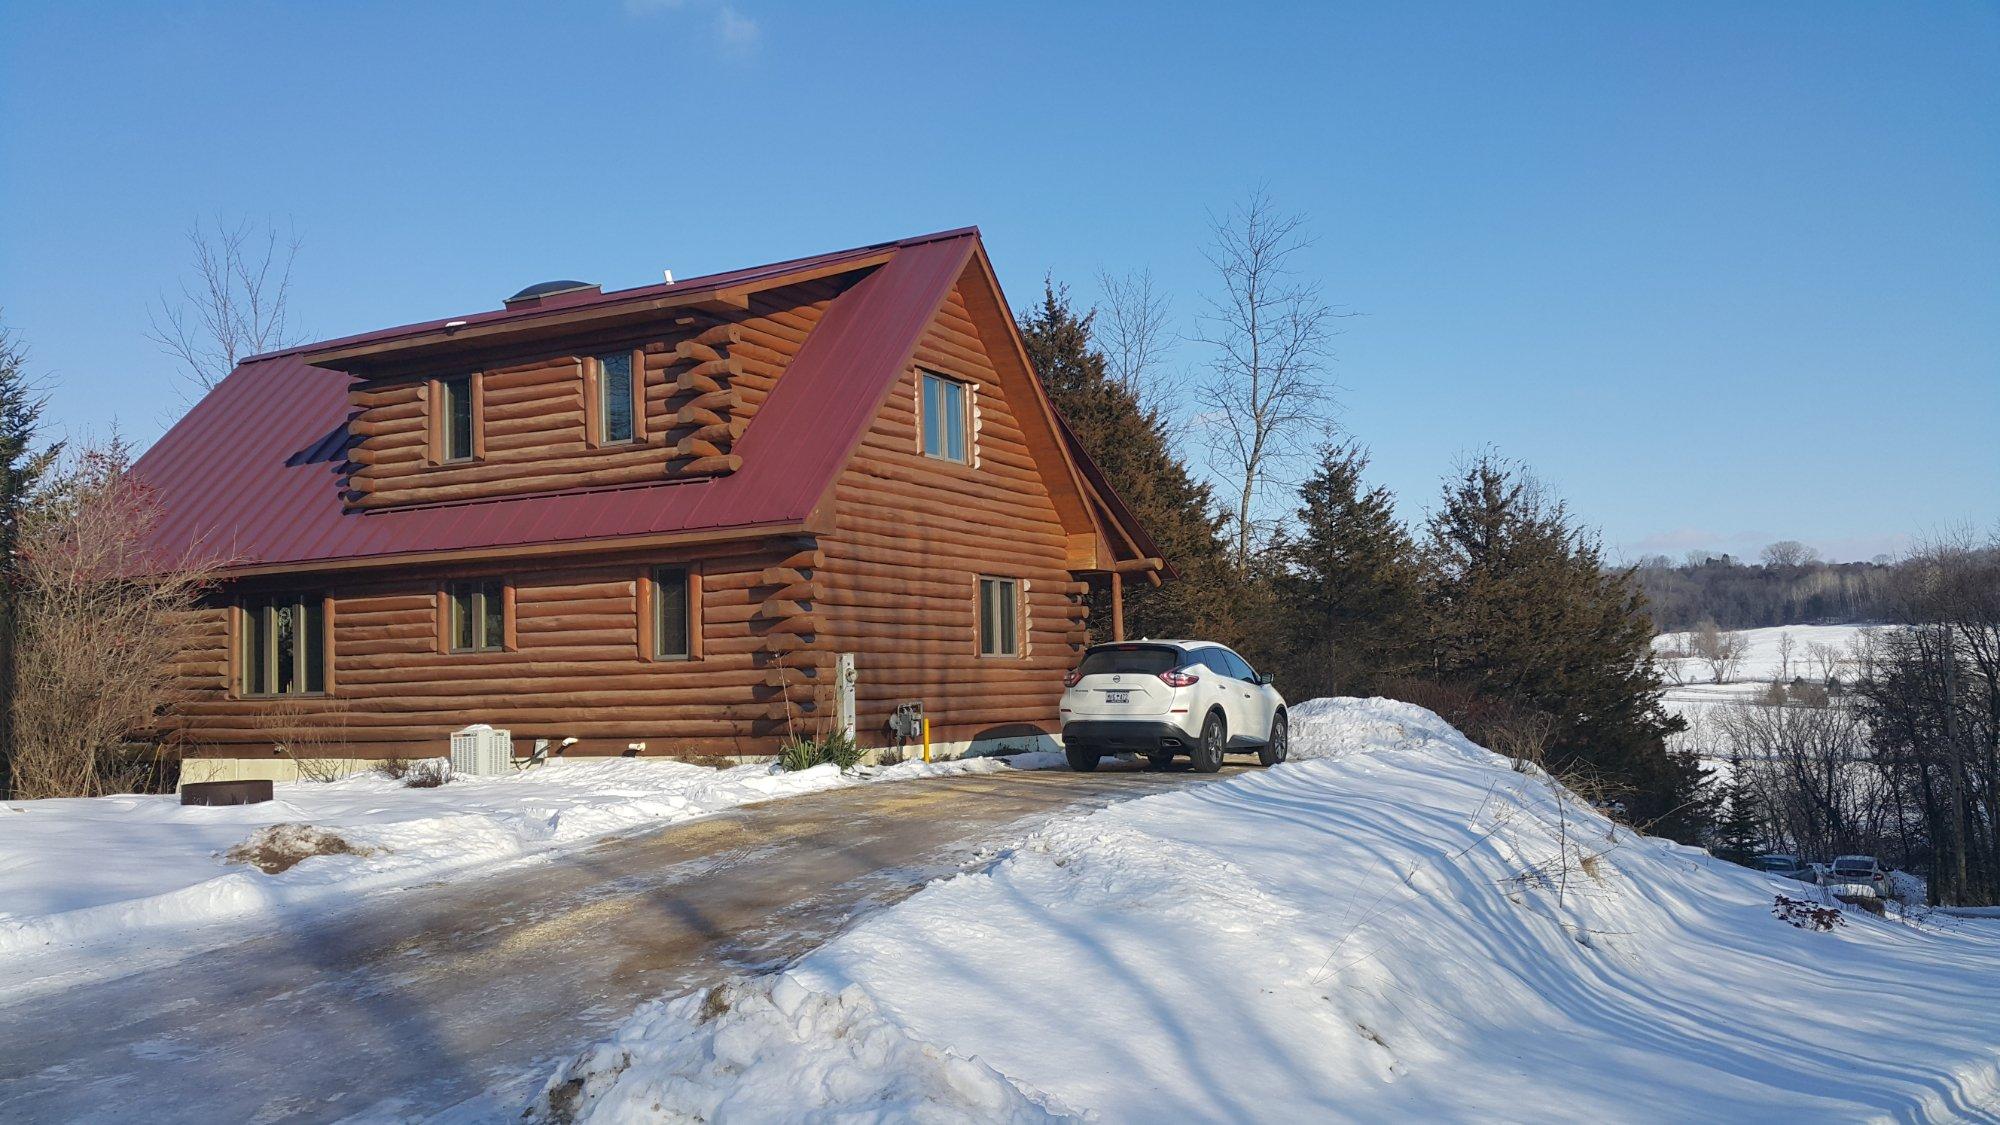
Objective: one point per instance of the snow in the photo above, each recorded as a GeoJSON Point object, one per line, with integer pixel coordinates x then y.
{"type": "Point", "coordinates": [760, 1050]}
{"type": "Point", "coordinates": [80, 879]}
{"type": "Point", "coordinates": [1395, 924]}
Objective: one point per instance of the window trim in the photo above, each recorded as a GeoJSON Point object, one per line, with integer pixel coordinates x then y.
{"type": "Point", "coordinates": [242, 634]}
{"type": "Point", "coordinates": [447, 611]}
{"type": "Point", "coordinates": [1016, 620]}
{"type": "Point", "coordinates": [436, 409]}
{"type": "Point", "coordinates": [594, 402]}
{"type": "Point", "coordinates": [648, 609]}
{"type": "Point", "coordinates": [965, 427]}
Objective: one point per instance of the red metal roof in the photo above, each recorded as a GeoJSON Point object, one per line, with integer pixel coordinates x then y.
{"type": "Point", "coordinates": [252, 475]}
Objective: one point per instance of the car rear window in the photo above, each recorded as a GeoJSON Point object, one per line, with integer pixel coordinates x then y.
{"type": "Point", "coordinates": [1144, 660]}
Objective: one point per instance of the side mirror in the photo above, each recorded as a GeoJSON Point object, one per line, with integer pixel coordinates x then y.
{"type": "Point", "coordinates": [1264, 678]}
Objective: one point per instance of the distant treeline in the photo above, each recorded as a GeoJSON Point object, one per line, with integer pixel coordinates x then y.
{"type": "Point", "coordinates": [1739, 595]}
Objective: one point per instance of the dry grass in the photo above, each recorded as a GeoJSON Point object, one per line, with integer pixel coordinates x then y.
{"type": "Point", "coordinates": [281, 847]}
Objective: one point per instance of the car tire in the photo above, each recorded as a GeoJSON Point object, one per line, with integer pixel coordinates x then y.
{"type": "Point", "coordinates": [1279, 746]}
{"type": "Point", "coordinates": [1207, 754]}
{"type": "Point", "coordinates": [1082, 761]}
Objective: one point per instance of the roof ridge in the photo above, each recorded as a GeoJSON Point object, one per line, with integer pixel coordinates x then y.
{"type": "Point", "coordinates": [685, 285]}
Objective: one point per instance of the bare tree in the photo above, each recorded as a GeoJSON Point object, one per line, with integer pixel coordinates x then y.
{"type": "Point", "coordinates": [103, 624]}
{"type": "Point", "coordinates": [1789, 553]}
{"type": "Point", "coordinates": [1721, 651]}
{"type": "Point", "coordinates": [1130, 328]}
{"type": "Point", "coordinates": [1266, 400]}
{"type": "Point", "coordinates": [235, 305]}
{"type": "Point", "coordinates": [1808, 759]}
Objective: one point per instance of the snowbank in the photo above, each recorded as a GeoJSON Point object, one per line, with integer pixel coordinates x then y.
{"type": "Point", "coordinates": [764, 1050]}
{"type": "Point", "coordinates": [1393, 925]}
{"type": "Point", "coordinates": [88, 873]}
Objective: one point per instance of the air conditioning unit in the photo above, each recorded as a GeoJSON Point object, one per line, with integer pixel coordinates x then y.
{"type": "Point", "coordinates": [481, 751]}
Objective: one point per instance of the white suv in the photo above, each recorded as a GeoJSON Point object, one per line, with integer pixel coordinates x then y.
{"type": "Point", "coordinates": [1162, 698]}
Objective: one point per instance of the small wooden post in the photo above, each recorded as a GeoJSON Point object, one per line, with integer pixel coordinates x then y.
{"type": "Point", "coordinates": [1117, 606]}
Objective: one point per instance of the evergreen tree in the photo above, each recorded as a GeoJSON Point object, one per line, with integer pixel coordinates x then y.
{"type": "Point", "coordinates": [1347, 594]}
{"type": "Point", "coordinates": [1739, 836]}
{"type": "Point", "coordinates": [1130, 445]}
{"type": "Point", "coordinates": [20, 468]}
{"type": "Point", "coordinates": [1521, 610]}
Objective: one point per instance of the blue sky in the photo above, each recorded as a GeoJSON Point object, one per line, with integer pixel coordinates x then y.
{"type": "Point", "coordinates": [1720, 273]}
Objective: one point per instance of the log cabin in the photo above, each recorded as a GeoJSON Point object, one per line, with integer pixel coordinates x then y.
{"type": "Point", "coordinates": [648, 521]}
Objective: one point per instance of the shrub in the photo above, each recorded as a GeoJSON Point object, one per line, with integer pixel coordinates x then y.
{"type": "Point", "coordinates": [804, 752]}
{"type": "Point", "coordinates": [427, 774]}
{"type": "Point", "coordinates": [1806, 915]}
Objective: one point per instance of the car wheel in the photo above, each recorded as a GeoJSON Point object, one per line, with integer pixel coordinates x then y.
{"type": "Point", "coordinates": [1159, 761]}
{"type": "Point", "coordinates": [1277, 746]}
{"type": "Point", "coordinates": [1082, 761]}
{"type": "Point", "coordinates": [1207, 756]}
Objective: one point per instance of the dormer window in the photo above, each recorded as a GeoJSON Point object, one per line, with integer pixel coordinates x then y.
{"type": "Point", "coordinates": [944, 418]}
{"type": "Point", "coordinates": [617, 398]}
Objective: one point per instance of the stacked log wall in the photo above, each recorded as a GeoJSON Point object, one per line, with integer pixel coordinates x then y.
{"type": "Point", "coordinates": [702, 383]}
{"type": "Point", "coordinates": [914, 534]}
{"type": "Point", "coordinates": [576, 669]}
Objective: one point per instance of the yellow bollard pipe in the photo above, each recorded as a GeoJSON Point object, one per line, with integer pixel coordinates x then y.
{"type": "Point", "coordinates": [927, 738]}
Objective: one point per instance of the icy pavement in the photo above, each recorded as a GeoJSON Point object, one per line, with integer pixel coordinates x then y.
{"type": "Point", "coordinates": [466, 993]}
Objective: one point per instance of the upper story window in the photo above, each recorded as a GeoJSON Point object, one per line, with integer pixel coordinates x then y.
{"type": "Point", "coordinates": [999, 617]}
{"type": "Point", "coordinates": [616, 406]}
{"type": "Point", "coordinates": [282, 645]}
{"type": "Point", "coordinates": [456, 419]}
{"type": "Point", "coordinates": [944, 418]}
{"type": "Point", "coordinates": [478, 616]}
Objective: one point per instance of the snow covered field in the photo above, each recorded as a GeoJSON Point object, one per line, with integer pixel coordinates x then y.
{"type": "Point", "coordinates": [84, 882]}
{"type": "Point", "coordinates": [1692, 694]}
{"type": "Point", "coordinates": [1393, 925]}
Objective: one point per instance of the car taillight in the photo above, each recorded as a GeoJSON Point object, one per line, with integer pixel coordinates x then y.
{"type": "Point", "coordinates": [1072, 676]}
{"type": "Point", "coordinates": [1174, 677]}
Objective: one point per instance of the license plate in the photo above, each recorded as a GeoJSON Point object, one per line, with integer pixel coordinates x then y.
{"type": "Point", "coordinates": [1117, 697]}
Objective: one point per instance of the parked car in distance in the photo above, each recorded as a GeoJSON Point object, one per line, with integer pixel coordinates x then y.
{"type": "Point", "coordinates": [1165, 698]}
{"type": "Point", "coordinates": [1786, 865]}
{"type": "Point", "coordinates": [1852, 871]}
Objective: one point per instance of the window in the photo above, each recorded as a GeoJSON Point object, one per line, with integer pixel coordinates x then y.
{"type": "Point", "coordinates": [455, 419]}
{"type": "Point", "coordinates": [282, 645]}
{"type": "Point", "coordinates": [673, 619]}
{"type": "Point", "coordinates": [478, 616]}
{"type": "Point", "coordinates": [1239, 667]}
{"type": "Point", "coordinates": [1144, 660]}
{"type": "Point", "coordinates": [999, 617]}
{"type": "Point", "coordinates": [944, 417]}
{"type": "Point", "coordinates": [616, 405]}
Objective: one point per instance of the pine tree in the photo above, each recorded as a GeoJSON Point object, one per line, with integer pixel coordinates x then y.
{"type": "Point", "coordinates": [1347, 593]}
{"type": "Point", "coordinates": [1521, 610]}
{"type": "Point", "coordinates": [1130, 444]}
{"type": "Point", "coordinates": [1739, 836]}
{"type": "Point", "coordinates": [21, 467]}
